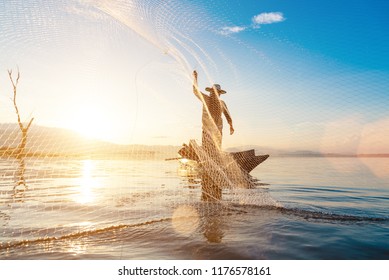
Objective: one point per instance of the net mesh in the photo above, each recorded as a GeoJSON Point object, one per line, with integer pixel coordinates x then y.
{"type": "Point", "coordinates": [100, 93]}
{"type": "Point", "coordinates": [64, 175]}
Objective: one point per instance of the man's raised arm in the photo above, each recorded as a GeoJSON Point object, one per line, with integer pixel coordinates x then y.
{"type": "Point", "coordinates": [196, 86]}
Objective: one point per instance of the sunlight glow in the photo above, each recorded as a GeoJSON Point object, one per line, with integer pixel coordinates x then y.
{"type": "Point", "coordinates": [76, 247]}
{"type": "Point", "coordinates": [87, 184]}
{"type": "Point", "coordinates": [92, 123]}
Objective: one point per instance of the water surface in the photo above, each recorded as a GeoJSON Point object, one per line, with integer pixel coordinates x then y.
{"type": "Point", "coordinates": [304, 208]}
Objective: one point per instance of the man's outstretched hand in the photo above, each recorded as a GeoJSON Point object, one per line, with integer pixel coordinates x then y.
{"type": "Point", "coordinates": [231, 130]}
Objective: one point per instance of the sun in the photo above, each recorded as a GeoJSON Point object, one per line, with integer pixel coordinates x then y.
{"type": "Point", "coordinates": [92, 122]}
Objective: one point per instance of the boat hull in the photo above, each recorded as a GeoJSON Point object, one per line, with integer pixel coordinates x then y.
{"type": "Point", "coordinates": [246, 160]}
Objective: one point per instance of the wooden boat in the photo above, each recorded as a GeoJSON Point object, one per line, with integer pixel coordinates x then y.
{"type": "Point", "coordinates": [246, 160]}
{"type": "Point", "coordinates": [219, 170]}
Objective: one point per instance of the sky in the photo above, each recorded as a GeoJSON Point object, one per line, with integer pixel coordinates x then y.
{"type": "Point", "coordinates": [299, 75]}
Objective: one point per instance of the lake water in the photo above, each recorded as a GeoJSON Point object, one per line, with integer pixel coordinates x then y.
{"type": "Point", "coordinates": [305, 208]}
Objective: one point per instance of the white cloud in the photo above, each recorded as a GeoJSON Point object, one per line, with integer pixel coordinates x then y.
{"type": "Point", "coordinates": [267, 18]}
{"type": "Point", "coordinates": [232, 29]}
{"type": "Point", "coordinates": [257, 21]}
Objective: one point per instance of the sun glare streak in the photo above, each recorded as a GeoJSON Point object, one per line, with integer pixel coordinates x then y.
{"type": "Point", "coordinates": [75, 247]}
{"type": "Point", "coordinates": [87, 184]}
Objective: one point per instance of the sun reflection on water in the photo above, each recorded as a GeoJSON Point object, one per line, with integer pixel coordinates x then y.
{"type": "Point", "coordinates": [87, 184]}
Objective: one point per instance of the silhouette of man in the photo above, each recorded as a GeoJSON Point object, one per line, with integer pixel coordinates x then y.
{"type": "Point", "coordinates": [213, 108]}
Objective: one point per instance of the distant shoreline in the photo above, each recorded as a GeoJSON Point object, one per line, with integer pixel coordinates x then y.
{"type": "Point", "coordinates": [335, 155]}
{"type": "Point", "coordinates": [7, 153]}
{"type": "Point", "coordinates": [49, 142]}
{"type": "Point", "coordinates": [12, 153]}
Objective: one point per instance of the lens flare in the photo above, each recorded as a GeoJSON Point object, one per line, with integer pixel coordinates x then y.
{"type": "Point", "coordinates": [185, 220]}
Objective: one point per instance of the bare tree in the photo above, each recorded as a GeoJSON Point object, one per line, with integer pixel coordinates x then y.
{"type": "Point", "coordinates": [23, 129]}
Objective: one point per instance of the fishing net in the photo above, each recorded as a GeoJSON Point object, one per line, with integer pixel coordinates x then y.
{"type": "Point", "coordinates": [99, 94]}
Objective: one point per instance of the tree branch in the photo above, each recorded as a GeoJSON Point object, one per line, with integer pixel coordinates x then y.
{"type": "Point", "coordinates": [29, 124]}
{"type": "Point", "coordinates": [14, 85]}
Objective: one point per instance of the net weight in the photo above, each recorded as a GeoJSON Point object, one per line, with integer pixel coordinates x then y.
{"type": "Point", "coordinates": [241, 270]}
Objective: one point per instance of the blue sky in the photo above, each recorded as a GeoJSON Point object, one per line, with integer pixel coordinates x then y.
{"type": "Point", "coordinates": [352, 32]}
{"type": "Point", "coordinates": [299, 74]}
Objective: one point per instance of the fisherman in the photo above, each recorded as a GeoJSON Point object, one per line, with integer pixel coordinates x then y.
{"type": "Point", "coordinates": [213, 108]}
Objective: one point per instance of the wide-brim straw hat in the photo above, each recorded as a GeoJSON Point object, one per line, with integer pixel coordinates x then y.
{"type": "Point", "coordinates": [216, 87]}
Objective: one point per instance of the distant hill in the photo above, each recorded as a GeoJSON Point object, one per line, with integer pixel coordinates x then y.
{"type": "Point", "coordinates": [50, 142]}
{"type": "Point", "coordinates": [258, 150]}
{"type": "Point", "coordinates": [275, 152]}
{"type": "Point", "coordinates": [299, 153]}
{"type": "Point", "coordinates": [57, 142]}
